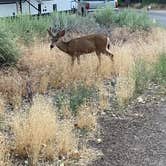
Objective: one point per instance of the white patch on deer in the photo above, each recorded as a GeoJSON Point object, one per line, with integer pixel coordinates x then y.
{"type": "Point", "coordinates": [108, 45]}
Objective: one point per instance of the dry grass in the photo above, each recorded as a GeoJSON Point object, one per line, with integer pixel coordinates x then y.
{"type": "Point", "coordinates": [147, 47]}
{"type": "Point", "coordinates": [2, 105]}
{"type": "Point", "coordinates": [4, 154]}
{"type": "Point", "coordinates": [45, 68]}
{"type": "Point", "coordinates": [53, 67]}
{"type": "Point", "coordinates": [67, 143]}
{"type": "Point", "coordinates": [36, 130]}
{"type": "Point", "coordinates": [11, 86]}
{"type": "Point", "coordinates": [38, 133]}
{"type": "Point", "coordinates": [86, 119]}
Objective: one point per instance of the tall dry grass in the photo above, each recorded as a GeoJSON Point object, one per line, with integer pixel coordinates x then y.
{"type": "Point", "coordinates": [86, 119]}
{"type": "Point", "coordinates": [4, 153]}
{"type": "Point", "coordinates": [145, 47]}
{"type": "Point", "coordinates": [11, 86]}
{"type": "Point", "coordinates": [39, 133]}
{"type": "Point", "coordinates": [35, 130]}
{"type": "Point", "coordinates": [2, 106]}
{"type": "Point", "coordinates": [45, 68]}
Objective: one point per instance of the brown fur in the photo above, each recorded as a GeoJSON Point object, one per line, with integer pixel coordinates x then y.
{"type": "Point", "coordinates": [98, 43]}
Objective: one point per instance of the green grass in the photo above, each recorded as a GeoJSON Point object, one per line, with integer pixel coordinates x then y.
{"type": "Point", "coordinates": [9, 53]}
{"type": "Point", "coordinates": [105, 16]}
{"type": "Point", "coordinates": [160, 70]}
{"type": "Point", "coordinates": [26, 28]}
{"type": "Point", "coordinates": [74, 23]}
{"type": "Point", "coordinates": [75, 97]}
{"type": "Point", "coordinates": [125, 18]}
{"type": "Point", "coordinates": [143, 76]}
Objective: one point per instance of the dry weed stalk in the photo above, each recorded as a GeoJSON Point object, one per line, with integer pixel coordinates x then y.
{"type": "Point", "coordinates": [86, 119]}
{"type": "Point", "coordinates": [36, 130]}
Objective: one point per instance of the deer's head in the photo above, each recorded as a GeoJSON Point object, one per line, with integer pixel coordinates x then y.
{"type": "Point", "coordinates": [55, 37]}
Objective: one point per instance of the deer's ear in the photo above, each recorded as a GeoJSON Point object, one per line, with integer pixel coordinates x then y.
{"type": "Point", "coordinates": [62, 33]}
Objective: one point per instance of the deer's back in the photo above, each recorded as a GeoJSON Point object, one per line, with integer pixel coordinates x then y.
{"type": "Point", "coordinates": [87, 44]}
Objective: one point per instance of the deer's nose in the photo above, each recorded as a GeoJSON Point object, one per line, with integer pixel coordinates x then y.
{"type": "Point", "coordinates": [51, 46]}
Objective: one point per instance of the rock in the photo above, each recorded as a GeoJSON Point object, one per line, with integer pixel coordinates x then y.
{"type": "Point", "coordinates": [26, 162]}
{"type": "Point", "coordinates": [140, 100]}
{"type": "Point", "coordinates": [99, 141]}
{"type": "Point", "coordinates": [103, 113]}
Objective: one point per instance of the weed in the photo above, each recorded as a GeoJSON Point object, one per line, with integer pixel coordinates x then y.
{"type": "Point", "coordinates": [86, 119]}
{"type": "Point", "coordinates": [35, 130]}
{"type": "Point", "coordinates": [4, 153]}
{"type": "Point", "coordinates": [9, 53]}
{"type": "Point", "coordinates": [160, 69]}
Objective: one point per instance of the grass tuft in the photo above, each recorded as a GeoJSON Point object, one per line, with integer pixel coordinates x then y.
{"type": "Point", "coordinates": [35, 130]}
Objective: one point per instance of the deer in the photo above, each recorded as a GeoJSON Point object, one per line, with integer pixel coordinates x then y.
{"type": "Point", "coordinates": [98, 43]}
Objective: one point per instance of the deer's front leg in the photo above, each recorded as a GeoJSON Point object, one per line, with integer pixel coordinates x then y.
{"type": "Point", "coordinates": [78, 60]}
{"type": "Point", "coordinates": [72, 60]}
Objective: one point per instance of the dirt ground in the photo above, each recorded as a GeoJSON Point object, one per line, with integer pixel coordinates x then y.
{"type": "Point", "coordinates": [137, 138]}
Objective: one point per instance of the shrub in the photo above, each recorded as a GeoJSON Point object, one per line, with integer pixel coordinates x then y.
{"type": "Point", "coordinates": [105, 16]}
{"type": "Point", "coordinates": [127, 17]}
{"type": "Point", "coordinates": [26, 28]}
{"type": "Point", "coordinates": [74, 23]}
{"type": "Point", "coordinates": [9, 53]}
{"type": "Point", "coordinates": [36, 130]}
{"type": "Point", "coordinates": [160, 69]}
{"type": "Point", "coordinates": [141, 76]}
{"type": "Point", "coordinates": [133, 20]}
{"type": "Point", "coordinates": [4, 153]}
{"type": "Point", "coordinates": [76, 96]}
{"type": "Point", "coordinates": [86, 119]}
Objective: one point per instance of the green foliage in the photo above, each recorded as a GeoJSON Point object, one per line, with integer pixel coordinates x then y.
{"type": "Point", "coordinates": [9, 53]}
{"type": "Point", "coordinates": [74, 23]}
{"type": "Point", "coordinates": [160, 70]}
{"type": "Point", "coordinates": [142, 76]}
{"type": "Point", "coordinates": [76, 96]}
{"type": "Point", "coordinates": [133, 20]}
{"type": "Point", "coordinates": [105, 16]}
{"type": "Point", "coordinates": [26, 28]}
{"type": "Point", "coordinates": [125, 18]}
{"type": "Point", "coordinates": [145, 2]}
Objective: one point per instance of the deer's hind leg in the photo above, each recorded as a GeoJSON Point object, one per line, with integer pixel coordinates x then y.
{"type": "Point", "coordinates": [108, 53]}
{"type": "Point", "coordinates": [78, 60]}
{"type": "Point", "coordinates": [99, 57]}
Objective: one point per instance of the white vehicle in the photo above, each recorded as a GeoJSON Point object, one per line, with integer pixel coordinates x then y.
{"type": "Point", "coordinates": [85, 6]}
{"type": "Point", "coordinates": [34, 7]}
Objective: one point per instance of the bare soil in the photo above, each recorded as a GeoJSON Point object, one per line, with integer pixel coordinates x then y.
{"type": "Point", "coordinates": [136, 137]}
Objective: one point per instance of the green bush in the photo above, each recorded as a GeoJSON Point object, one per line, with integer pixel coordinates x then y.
{"type": "Point", "coordinates": [105, 16]}
{"type": "Point", "coordinates": [74, 23]}
{"type": "Point", "coordinates": [125, 18]}
{"type": "Point", "coordinates": [142, 76]}
{"type": "Point", "coordinates": [145, 2]}
{"type": "Point", "coordinates": [9, 53]}
{"type": "Point", "coordinates": [26, 28]}
{"type": "Point", "coordinates": [76, 96]}
{"type": "Point", "coordinates": [133, 20]}
{"type": "Point", "coordinates": [160, 70]}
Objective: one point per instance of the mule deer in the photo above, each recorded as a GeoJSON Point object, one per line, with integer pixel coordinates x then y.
{"type": "Point", "coordinates": [98, 43]}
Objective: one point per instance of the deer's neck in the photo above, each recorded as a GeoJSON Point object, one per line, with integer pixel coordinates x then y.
{"type": "Point", "coordinates": [62, 46]}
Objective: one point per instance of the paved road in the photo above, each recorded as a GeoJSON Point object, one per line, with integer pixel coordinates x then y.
{"type": "Point", "coordinates": [159, 16]}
